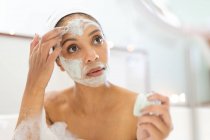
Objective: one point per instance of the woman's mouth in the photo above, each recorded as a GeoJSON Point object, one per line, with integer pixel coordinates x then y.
{"type": "Point", "coordinates": [95, 72]}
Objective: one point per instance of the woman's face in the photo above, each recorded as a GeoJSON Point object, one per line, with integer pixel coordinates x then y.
{"type": "Point", "coordinates": [84, 52]}
{"type": "Point", "coordinates": [89, 45]}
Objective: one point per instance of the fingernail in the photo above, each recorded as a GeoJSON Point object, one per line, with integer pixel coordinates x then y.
{"type": "Point", "coordinates": [142, 110]}
{"type": "Point", "coordinates": [149, 96]}
{"type": "Point", "coordinates": [143, 113]}
{"type": "Point", "coordinates": [64, 30]}
{"type": "Point", "coordinates": [36, 35]}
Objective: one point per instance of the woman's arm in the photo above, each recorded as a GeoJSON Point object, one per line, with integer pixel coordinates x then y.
{"type": "Point", "coordinates": [41, 65]}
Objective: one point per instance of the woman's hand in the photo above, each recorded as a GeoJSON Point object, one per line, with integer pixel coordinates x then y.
{"type": "Point", "coordinates": [41, 65]}
{"type": "Point", "coordinates": [41, 61]}
{"type": "Point", "coordinates": [155, 122]}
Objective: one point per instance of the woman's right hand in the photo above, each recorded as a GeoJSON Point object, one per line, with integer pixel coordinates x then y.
{"type": "Point", "coordinates": [41, 61]}
{"type": "Point", "coordinates": [41, 65]}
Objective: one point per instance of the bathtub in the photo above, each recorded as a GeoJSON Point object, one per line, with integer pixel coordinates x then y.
{"type": "Point", "coordinates": [7, 126]}
{"type": "Point", "coordinates": [181, 117]}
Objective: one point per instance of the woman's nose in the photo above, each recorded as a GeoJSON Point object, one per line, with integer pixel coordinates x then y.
{"type": "Point", "coordinates": [91, 55]}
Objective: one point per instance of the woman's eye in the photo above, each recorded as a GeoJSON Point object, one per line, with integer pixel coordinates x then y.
{"type": "Point", "coordinates": [98, 40]}
{"type": "Point", "coordinates": [72, 48]}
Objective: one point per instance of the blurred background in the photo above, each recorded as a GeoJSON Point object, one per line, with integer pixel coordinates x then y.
{"type": "Point", "coordinates": [156, 45]}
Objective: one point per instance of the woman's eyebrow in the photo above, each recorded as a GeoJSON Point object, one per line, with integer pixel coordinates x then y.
{"type": "Point", "coordinates": [69, 39]}
{"type": "Point", "coordinates": [73, 39]}
{"type": "Point", "coordinates": [96, 30]}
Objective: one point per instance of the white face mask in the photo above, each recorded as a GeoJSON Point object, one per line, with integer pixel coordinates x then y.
{"type": "Point", "coordinates": [77, 26]}
{"type": "Point", "coordinates": [77, 71]}
{"type": "Point", "coordinates": [74, 67]}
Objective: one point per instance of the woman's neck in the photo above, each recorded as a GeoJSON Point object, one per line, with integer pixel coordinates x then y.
{"type": "Point", "coordinates": [91, 99]}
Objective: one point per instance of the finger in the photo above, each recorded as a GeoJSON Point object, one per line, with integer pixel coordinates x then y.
{"type": "Point", "coordinates": [161, 111]}
{"type": "Point", "coordinates": [52, 57]}
{"type": "Point", "coordinates": [32, 45]}
{"type": "Point", "coordinates": [153, 131]}
{"type": "Point", "coordinates": [156, 121]}
{"type": "Point", "coordinates": [36, 48]}
{"type": "Point", "coordinates": [58, 31]}
{"type": "Point", "coordinates": [142, 134]}
{"type": "Point", "coordinates": [45, 47]}
{"type": "Point", "coordinates": [34, 42]}
{"type": "Point", "coordinates": [164, 99]}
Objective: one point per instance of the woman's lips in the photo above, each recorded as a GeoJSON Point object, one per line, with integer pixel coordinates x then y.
{"type": "Point", "coordinates": [95, 72]}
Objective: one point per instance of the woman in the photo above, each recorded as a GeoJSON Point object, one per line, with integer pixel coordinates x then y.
{"type": "Point", "coordinates": [94, 108]}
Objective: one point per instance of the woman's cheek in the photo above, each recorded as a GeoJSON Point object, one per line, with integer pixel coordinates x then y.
{"type": "Point", "coordinates": [104, 54]}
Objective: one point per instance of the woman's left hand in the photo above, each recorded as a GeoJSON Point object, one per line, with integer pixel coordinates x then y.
{"type": "Point", "coordinates": [155, 122]}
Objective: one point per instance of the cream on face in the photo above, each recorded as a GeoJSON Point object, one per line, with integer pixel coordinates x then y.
{"type": "Point", "coordinates": [77, 71]}
{"type": "Point", "coordinates": [75, 67]}
{"type": "Point", "coordinates": [77, 26]}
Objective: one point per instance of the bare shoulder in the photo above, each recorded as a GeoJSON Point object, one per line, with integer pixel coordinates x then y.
{"type": "Point", "coordinates": [56, 99]}
{"type": "Point", "coordinates": [125, 94]}
{"type": "Point", "coordinates": [52, 96]}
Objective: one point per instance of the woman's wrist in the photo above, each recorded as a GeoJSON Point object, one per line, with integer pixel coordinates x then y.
{"type": "Point", "coordinates": [33, 97]}
{"type": "Point", "coordinates": [33, 89]}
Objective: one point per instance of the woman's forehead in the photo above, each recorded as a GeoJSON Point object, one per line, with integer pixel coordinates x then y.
{"type": "Point", "coordinates": [78, 25]}
{"type": "Point", "coordinates": [70, 18]}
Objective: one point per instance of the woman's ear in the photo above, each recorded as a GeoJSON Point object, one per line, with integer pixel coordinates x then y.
{"type": "Point", "coordinates": [58, 62]}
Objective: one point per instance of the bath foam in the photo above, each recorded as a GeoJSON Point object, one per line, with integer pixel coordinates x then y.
{"type": "Point", "coordinates": [27, 128]}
